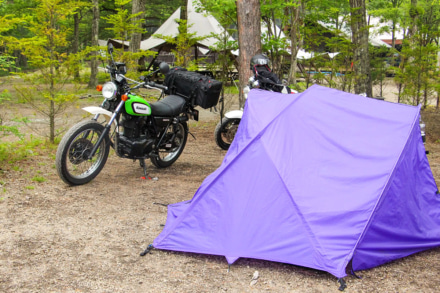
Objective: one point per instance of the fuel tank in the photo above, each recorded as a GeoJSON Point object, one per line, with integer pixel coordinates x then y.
{"type": "Point", "coordinates": [137, 106]}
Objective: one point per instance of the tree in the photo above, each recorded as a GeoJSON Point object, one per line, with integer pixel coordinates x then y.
{"type": "Point", "coordinates": [418, 74]}
{"type": "Point", "coordinates": [361, 57]}
{"type": "Point", "coordinates": [8, 23]}
{"type": "Point", "coordinates": [184, 10]}
{"type": "Point", "coordinates": [249, 38]}
{"type": "Point", "coordinates": [274, 41]}
{"type": "Point", "coordinates": [183, 43]}
{"type": "Point", "coordinates": [46, 52]}
{"type": "Point", "coordinates": [225, 13]}
{"type": "Point", "coordinates": [387, 10]}
{"type": "Point", "coordinates": [93, 82]}
{"type": "Point", "coordinates": [295, 11]}
{"type": "Point", "coordinates": [124, 25]}
{"type": "Point", "coordinates": [138, 10]}
{"type": "Point", "coordinates": [77, 17]}
{"type": "Point", "coordinates": [157, 12]}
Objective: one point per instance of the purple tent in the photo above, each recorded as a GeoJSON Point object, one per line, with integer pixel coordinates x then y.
{"type": "Point", "coordinates": [321, 179]}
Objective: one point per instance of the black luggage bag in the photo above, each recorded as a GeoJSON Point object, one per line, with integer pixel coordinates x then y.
{"type": "Point", "coordinates": [200, 89]}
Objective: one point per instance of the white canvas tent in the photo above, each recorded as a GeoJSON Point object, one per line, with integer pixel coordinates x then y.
{"type": "Point", "coordinates": [378, 35]}
{"type": "Point", "coordinates": [382, 31]}
{"type": "Point", "coordinates": [199, 23]}
{"type": "Point", "coordinates": [202, 24]}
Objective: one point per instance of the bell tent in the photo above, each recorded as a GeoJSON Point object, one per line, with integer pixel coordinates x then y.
{"type": "Point", "coordinates": [323, 179]}
{"type": "Point", "coordinates": [201, 24]}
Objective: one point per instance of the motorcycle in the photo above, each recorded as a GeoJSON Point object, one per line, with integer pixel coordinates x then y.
{"type": "Point", "coordinates": [262, 78]}
{"type": "Point", "coordinates": [136, 129]}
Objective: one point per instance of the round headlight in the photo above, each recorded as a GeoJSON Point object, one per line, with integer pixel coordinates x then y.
{"type": "Point", "coordinates": [109, 90]}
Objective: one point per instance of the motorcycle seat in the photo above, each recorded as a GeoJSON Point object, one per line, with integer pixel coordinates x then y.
{"type": "Point", "coordinates": [170, 106]}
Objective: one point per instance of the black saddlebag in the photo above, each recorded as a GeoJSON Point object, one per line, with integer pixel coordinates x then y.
{"type": "Point", "coordinates": [200, 89]}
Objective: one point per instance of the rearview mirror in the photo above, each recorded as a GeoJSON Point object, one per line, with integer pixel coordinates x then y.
{"type": "Point", "coordinates": [110, 48]}
{"type": "Point", "coordinates": [164, 67]}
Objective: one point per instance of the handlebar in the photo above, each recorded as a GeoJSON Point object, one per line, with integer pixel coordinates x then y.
{"type": "Point", "coordinates": [153, 84]}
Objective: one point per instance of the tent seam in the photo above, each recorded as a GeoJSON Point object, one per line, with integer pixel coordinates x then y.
{"type": "Point", "coordinates": [306, 225]}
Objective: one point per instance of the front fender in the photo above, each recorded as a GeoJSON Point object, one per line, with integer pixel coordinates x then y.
{"type": "Point", "coordinates": [234, 114]}
{"type": "Point", "coordinates": [97, 110]}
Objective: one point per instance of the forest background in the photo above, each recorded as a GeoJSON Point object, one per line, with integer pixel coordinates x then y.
{"type": "Point", "coordinates": [52, 46]}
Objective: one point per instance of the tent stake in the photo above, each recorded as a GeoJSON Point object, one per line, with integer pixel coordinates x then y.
{"type": "Point", "coordinates": [147, 250]}
{"type": "Point", "coordinates": [343, 285]}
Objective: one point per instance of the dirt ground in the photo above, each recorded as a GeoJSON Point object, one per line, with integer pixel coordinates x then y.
{"type": "Point", "coordinates": [56, 238]}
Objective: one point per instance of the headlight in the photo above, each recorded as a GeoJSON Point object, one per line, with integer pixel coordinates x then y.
{"type": "Point", "coordinates": [109, 90]}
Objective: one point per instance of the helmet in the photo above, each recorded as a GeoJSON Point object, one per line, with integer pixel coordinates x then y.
{"type": "Point", "coordinates": [259, 60]}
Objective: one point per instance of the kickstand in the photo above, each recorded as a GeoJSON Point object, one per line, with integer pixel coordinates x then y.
{"type": "Point", "coordinates": [192, 135]}
{"type": "Point", "coordinates": [144, 166]}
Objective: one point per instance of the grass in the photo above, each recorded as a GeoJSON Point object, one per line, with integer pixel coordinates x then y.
{"type": "Point", "coordinates": [16, 151]}
{"type": "Point", "coordinates": [231, 90]}
{"type": "Point", "coordinates": [38, 179]}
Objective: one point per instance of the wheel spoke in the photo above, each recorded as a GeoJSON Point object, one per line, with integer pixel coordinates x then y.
{"type": "Point", "coordinates": [78, 163]}
{"type": "Point", "coordinates": [72, 159]}
{"type": "Point", "coordinates": [169, 155]}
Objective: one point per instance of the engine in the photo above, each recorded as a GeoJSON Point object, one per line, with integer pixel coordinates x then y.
{"type": "Point", "coordinates": [134, 141]}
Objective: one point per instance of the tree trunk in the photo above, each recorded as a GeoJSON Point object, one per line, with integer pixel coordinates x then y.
{"type": "Point", "coordinates": [75, 45]}
{"type": "Point", "coordinates": [296, 15]}
{"type": "Point", "coordinates": [413, 14]}
{"type": "Point", "coordinates": [184, 10]}
{"type": "Point", "coordinates": [249, 39]}
{"type": "Point", "coordinates": [136, 37]}
{"type": "Point", "coordinates": [95, 29]}
{"type": "Point", "coordinates": [361, 57]}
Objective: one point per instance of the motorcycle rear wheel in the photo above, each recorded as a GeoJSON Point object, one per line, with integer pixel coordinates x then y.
{"type": "Point", "coordinates": [225, 132]}
{"type": "Point", "coordinates": [72, 161]}
{"type": "Point", "coordinates": [166, 158]}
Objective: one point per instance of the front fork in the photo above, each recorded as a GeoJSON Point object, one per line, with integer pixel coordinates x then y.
{"type": "Point", "coordinates": [106, 129]}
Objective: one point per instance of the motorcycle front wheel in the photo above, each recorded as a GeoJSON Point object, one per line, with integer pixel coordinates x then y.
{"type": "Point", "coordinates": [72, 161]}
{"type": "Point", "coordinates": [167, 156]}
{"type": "Point", "coordinates": [225, 132]}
